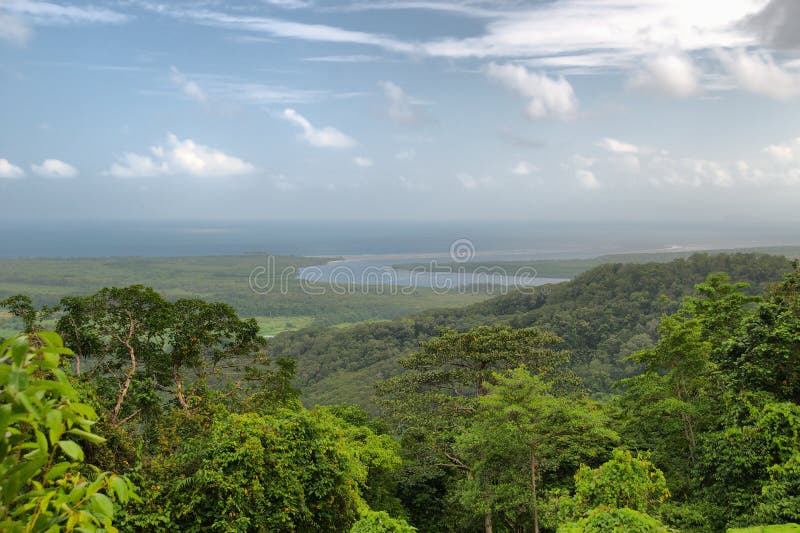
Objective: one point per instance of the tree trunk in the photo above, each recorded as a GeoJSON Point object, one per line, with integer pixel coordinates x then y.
{"type": "Point", "coordinates": [533, 490]}
{"type": "Point", "coordinates": [128, 374]}
{"type": "Point", "coordinates": [487, 522]}
{"type": "Point", "coordinates": [176, 376]}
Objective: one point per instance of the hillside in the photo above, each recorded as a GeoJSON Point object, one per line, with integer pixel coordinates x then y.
{"type": "Point", "coordinates": [603, 315]}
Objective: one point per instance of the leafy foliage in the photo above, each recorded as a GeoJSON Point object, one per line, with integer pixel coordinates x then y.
{"type": "Point", "coordinates": [381, 522]}
{"type": "Point", "coordinates": [43, 486]}
{"type": "Point", "coordinates": [613, 520]}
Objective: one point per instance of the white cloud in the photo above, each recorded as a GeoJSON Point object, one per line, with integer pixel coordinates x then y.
{"type": "Point", "coordinates": [406, 155]}
{"type": "Point", "coordinates": [282, 28]}
{"type": "Point", "coordinates": [401, 107]}
{"type": "Point", "coordinates": [13, 29]}
{"type": "Point", "coordinates": [669, 74]}
{"type": "Point", "coordinates": [471, 183]}
{"type": "Point", "coordinates": [780, 152]}
{"type": "Point", "coordinates": [354, 58]}
{"type": "Point", "coordinates": [362, 162]}
{"type": "Point", "coordinates": [777, 165]}
{"type": "Point", "coordinates": [189, 87]}
{"type": "Point", "coordinates": [523, 168]}
{"type": "Point", "coordinates": [289, 4]}
{"type": "Point", "coordinates": [664, 169]}
{"type": "Point", "coordinates": [327, 137]}
{"type": "Point", "coordinates": [9, 170]}
{"type": "Point", "coordinates": [48, 13]}
{"type": "Point", "coordinates": [758, 73]}
{"type": "Point", "coordinates": [547, 97]}
{"type": "Point", "coordinates": [587, 179]}
{"type": "Point", "coordinates": [603, 33]}
{"type": "Point", "coordinates": [618, 147]}
{"type": "Point", "coordinates": [54, 168]}
{"type": "Point", "coordinates": [179, 157]}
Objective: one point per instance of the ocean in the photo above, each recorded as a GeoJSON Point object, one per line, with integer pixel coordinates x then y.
{"type": "Point", "coordinates": [396, 241]}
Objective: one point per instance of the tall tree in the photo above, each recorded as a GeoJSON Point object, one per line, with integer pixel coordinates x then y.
{"type": "Point", "coordinates": [526, 419]}
{"type": "Point", "coordinates": [136, 338]}
{"type": "Point", "coordinates": [435, 400]}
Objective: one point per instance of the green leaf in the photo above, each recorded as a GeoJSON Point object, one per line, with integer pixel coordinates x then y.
{"type": "Point", "coordinates": [57, 470]}
{"type": "Point", "coordinates": [102, 504]}
{"type": "Point", "coordinates": [120, 488]}
{"type": "Point", "coordinates": [91, 437]}
{"type": "Point", "coordinates": [50, 338]}
{"type": "Point", "coordinates": [19, 347]}
{"type": "Point", "coordinates": [19, 380]}
{"type": "Point", "coordinates": [55, 425]}
{"type": "Point", "coordinates": [72, 449]}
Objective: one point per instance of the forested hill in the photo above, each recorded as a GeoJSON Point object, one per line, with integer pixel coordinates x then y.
{"type": "Point", "coordinates": [603, 315]}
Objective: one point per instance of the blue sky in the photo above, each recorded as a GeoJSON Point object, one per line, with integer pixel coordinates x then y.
{"type": "Point", "coordinates": [314, 109]}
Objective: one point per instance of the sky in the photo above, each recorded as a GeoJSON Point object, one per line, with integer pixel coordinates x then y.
{"type": "Point", "coordinates": [586, 110]}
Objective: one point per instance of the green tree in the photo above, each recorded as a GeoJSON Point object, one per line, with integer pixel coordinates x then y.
{"type": "Point", "coordinates": [380, 522]}
{"type": "Point", "coordinates": [549, 431]}
{"type": "Point", "coordinates": [679, 396]}
{"type": "Point", "coordinates": [614, 520]}
{"type": "Point", "coordinates": [141, 343]}
{"type": "Point", "coordinates": [625, 481]}
{"type": "Point", "coordinates": [290, 470]}
{"type": "Point", "coordinates": [435, 400]}
{"type": "Point", "coordinates": [765, 353]}
{"type": "Point", "coordinates": [21, 306]}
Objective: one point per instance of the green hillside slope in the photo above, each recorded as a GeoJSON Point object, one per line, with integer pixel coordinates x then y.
{"type": "Point", "coordinates": [603, 316]}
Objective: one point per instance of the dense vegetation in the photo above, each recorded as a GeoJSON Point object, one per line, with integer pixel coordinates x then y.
{"type": "Point", "coordinates": [144, 412]}
{"type": "Point", "coordinates": [569, 268]}
{"type": "Point", "coordinates": [603, 316]}
{"type": "Point", "coordinates": [219, 278]}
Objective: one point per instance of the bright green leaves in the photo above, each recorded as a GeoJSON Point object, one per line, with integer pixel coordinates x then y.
{"type": "Point", "coordinates": [41, 484]}
{"type": "Point", "coordinates": [290, 470]}
{"type": "Point", "coordinates": [612, 520]}
{"type": "Point", "coordinates": [71, 449]}
{"type": "Point", "coordinates": [617, 496]}
{"type": "Point", "coordinates": [627, 480]}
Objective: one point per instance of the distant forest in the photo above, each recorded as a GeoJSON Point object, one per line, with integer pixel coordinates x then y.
{"type": "Point", "coordinates": [654, 397]}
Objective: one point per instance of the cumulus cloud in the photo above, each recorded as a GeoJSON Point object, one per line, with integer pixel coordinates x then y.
{"type": "Point", "coordinates": [618, 147]}
{"type": "Point", "coordinates": [471, 183]}
{"type": "Point", "coordinates": [757, 72]}
{"type": "Point", "coordinates": [401, 107]}
{"type": "Point", "coordinates": [54, 168]}
{"type": "Point", "coordinates": [781, 152]}
{"type": "Point", "coordinates": [776, 165]}
{"type": "Point", "coordinates": [327, 137]}
{"type": "Point", "coordinates": [547, 97]}
{"type": "Point", "coordinates": [362, 162]}
{"type": "Point", "coordinates": [671, 74]}
{"type": "Point", "coordinates": [666, 170]}
{"type": "Point", "coordinates": [523, 168]}
{"type": "Point", "coordinates": [9, 170]}
{"type": "Point", "coordinates": [187, 86]}
{"type": "Point", "coordinates": [587, 179]}
{"type": "Point", "coordinates": [179, 157]}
